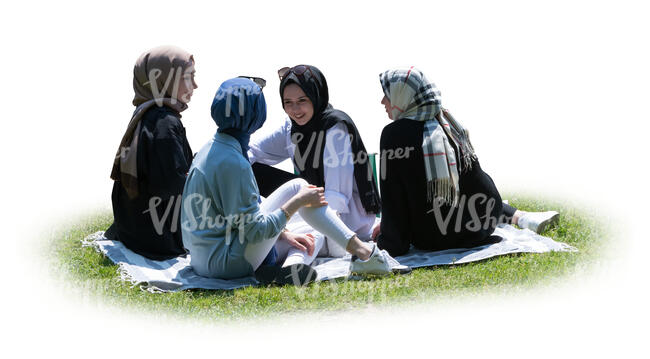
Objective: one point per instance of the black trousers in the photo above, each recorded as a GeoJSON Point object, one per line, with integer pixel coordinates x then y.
{"type": "Point", "coordinates": [269, 178]}
{"type": "Point", "coordinates": [409, 219]}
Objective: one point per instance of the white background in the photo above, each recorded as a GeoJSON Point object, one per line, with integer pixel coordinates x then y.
{"type": "Point", "coordinates": [554, 94]}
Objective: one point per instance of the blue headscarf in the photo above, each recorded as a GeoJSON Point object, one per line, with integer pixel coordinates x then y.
{"type": "Point", "coordinates": [239, 109]}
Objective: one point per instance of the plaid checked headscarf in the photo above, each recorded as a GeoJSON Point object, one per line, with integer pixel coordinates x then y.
{"type": "Point", "coordinates": [445, 142]}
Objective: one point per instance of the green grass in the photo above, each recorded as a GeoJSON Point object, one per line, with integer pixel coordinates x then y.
{"type": "Point", "coordinates": [93, 275]}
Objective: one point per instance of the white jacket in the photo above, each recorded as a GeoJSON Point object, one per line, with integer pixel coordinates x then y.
{"type": "Point", "coordinates": [340, 187]}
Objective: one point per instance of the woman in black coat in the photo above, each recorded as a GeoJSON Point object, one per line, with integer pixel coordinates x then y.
{"type": "Point", "coordinates": [435, 195]}
{"type": "Point", "coordinates": [154, 156]}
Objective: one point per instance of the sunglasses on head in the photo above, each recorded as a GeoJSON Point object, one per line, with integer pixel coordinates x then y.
{"type": "Point", "coordinates": [297, 70]}
{"type": "Point", "coordinates": [258, 80]}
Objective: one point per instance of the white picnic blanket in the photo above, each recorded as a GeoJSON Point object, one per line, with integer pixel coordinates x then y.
{"type": "Point", "coordinates": [177, 274]}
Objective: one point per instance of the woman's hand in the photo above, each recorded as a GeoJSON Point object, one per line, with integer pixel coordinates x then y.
{"type": "Point", "coordinates": [308, 196]}
{"type": "Point", "coordinates": [376, 231]}
{"type": "Point", "coordinates": [312, 196]}
{"type": "Point", "coordinates": [304, 242]}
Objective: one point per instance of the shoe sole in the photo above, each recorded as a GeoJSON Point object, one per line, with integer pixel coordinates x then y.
{"type": "Point", "coordinates": [402, 270]}
{"type": "Point", "coordinates": [394, 270]}
{"type": "Point", "coordinates": [296, 274]}
{"type": "Point", "coordinates": [548, 223]}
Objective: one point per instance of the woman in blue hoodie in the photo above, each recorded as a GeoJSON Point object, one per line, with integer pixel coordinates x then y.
{"type": "Point", "coordinates": [227, 229]}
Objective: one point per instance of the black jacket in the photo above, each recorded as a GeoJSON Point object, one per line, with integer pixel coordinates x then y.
{"type": "Point", "coordinates": [407, 217]}
{"type": "Point", "coordinates": [150, 223]}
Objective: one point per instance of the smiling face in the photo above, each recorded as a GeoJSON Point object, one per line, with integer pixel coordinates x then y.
{"type": "Point", "coordinates": [187, 85]}
{"type": "Point", "coordinates": [386, 102]}
{"type": "Point", "coordinates": [297, 105]}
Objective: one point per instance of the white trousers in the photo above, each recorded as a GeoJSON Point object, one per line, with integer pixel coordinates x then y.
{"type": "Point", "coordinates": [322, 219]}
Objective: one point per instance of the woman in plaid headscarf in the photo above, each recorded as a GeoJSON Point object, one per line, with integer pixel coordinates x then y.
{"type": "Point", "coordinates": [435, 195]}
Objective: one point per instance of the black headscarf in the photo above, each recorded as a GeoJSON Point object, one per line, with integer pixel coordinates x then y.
{"type": "Point", "coordinates": [310, 138]}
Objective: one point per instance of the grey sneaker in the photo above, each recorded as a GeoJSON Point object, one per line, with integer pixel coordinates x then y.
{"type": "Point", "coordinates": [538, 222]}
{"type": "Point", "coordinates": [379, 263]}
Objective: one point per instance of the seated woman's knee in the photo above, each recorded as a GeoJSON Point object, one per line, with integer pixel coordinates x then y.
{"type": "Point", "coordinates": [298, 183]}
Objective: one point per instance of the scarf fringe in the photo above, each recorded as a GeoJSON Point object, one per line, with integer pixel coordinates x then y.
{"type": "Point", "coordinates": [444, 189]}
{"type": "Point", "coordinates": [468, 160]}
{"type": "Point", "coordinates": [460, 136]}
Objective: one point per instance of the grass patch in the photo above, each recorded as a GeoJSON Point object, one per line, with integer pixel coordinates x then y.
{"type": "Point", "coordinates": [95, 275]}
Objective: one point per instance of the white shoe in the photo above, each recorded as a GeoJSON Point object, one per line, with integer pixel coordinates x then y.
{"type": "Point", "coordinates": [538, 221]}
{"type": "Point", "coordinates": [395, 266]}
{"type": "Point", "coordinates": [379, 263]}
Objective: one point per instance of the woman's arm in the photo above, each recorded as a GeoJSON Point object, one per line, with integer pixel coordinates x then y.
{"type": "Point", "coordinates": [239, 203]}
{"type": "Point", "coordinates": [237, 197]}
{"type": "Point", "coordinates": [338, 168]}
{"type": "Point", "coordinates": [395, 231]}
{"type": "Point", "coordinates": [272, 147]}
{"type": "Point", "coordinates": [166, 164]}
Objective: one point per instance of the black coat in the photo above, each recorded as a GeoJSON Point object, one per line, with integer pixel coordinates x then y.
{"type": "Point", "coordinates": [164, 158]}
{"type": "Point", "coordinates": [407, 217]}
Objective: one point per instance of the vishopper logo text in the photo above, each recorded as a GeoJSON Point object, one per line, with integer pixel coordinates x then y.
{"type": "Point", "coordinates": [347, 286]}
{"type": "Point", "coordinates": [344, 156]}
{"type": "Point", "coordinates": [176, 76]}
{"type": "Point", "coordinates": [237, 91]}
{"type": "Point", "coordinates": [237, 221]}
{"type": "Point", "coordinates": [477, 222]}
{"type": "Point", "coordinates": [201, 220]}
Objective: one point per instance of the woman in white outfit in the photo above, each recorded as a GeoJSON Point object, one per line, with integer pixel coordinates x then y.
{"type": "Point", "coordinates": [326, 150]}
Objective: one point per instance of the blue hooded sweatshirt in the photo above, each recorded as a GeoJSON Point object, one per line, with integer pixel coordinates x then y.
{"type": "Point", "coordinates": [220, 214]}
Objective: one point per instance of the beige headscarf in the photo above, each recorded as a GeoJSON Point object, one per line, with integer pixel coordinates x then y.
{"type": "Point", "coordinates": [156, 78]}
